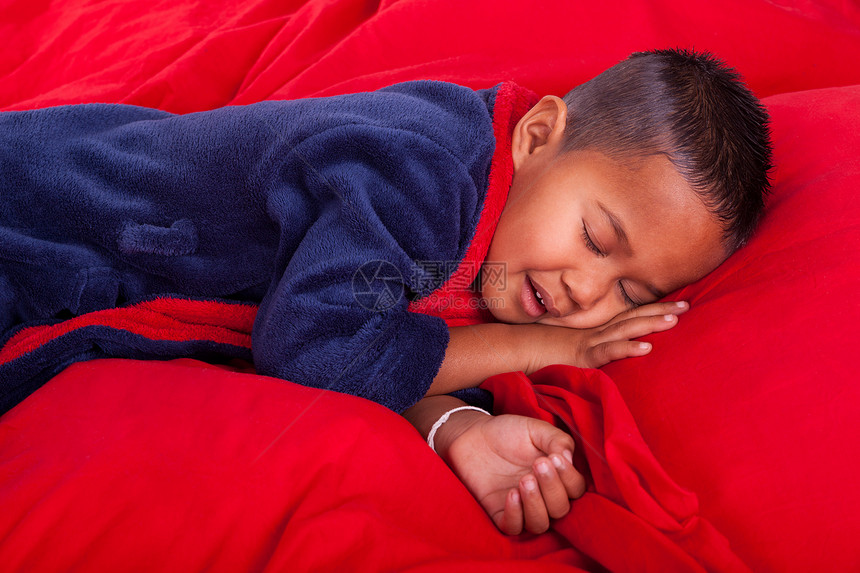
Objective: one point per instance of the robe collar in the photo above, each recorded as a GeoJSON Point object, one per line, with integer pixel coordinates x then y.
{"type": "Point", "coordinates": [456, 301]}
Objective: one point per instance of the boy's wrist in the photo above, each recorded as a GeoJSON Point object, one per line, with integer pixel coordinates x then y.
{"type": "Point", "coordinates": [543, 345]}
{"type": "Point", "coordinates": [458, 424]}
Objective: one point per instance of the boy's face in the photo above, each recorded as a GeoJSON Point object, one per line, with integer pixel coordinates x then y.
{"type": "Point", "coordinates": [585, 237]}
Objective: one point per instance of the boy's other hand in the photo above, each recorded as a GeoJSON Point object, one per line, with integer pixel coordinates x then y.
{"type": "Point", "coordinates": [594, 347]}
{"type": "Point", "coordinates": [518, 468]}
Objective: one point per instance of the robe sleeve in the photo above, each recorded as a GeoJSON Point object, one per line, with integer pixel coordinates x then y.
{"type": "Point", "coordinates": [392, 197]}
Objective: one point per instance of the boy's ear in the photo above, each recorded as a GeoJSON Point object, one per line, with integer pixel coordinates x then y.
{"type": "Point", "coordinates": [540, 130]}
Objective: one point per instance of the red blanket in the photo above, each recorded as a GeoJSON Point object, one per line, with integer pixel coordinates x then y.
{"type": "Point", "coordinates": [730, 446]}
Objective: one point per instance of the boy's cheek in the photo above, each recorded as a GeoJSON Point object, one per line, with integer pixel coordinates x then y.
{"type": "Point", "coordinates": [504, 307]}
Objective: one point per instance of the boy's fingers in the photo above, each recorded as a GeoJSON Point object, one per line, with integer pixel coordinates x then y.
{"type": "Point", "coordinates": [559, 447]}
{"type": "Point", "coordinates": [616, 350]}
{"type": "Point", "coordinates": [638, 326]}
{"type": "Point", "coordinates": [547, 438]}
{"type": "Point", "coordinates": [617, 341]}
{"type": "Point", "coordinates": [511, 520]}
{"type": "Point", "coordinates": [653, 309]}
{"type": "Point", "coordinates": [573, 481]}
{"type": "Point", "coordinates": [534, 510]}
{"type": "Point", "coordinates": [671, 307]}
{"type": "Point", "coordinates": [552, 489]}
{"type": "Point", "coordinates": [658, 308]}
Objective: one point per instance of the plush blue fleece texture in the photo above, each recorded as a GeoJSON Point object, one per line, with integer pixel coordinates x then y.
{"type": "Point", "coordinates": [278, 203]}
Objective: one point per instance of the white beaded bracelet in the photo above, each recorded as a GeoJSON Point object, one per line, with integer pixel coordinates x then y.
{"type": "Point", "coordinates": [444, 418]}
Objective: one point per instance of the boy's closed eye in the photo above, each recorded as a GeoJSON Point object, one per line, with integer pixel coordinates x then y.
{"type": "Point", "coordinates": [601, 252]}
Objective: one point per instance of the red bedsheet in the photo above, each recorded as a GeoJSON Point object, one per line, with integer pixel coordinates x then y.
{"type": "Point", "coordinates": [733, 445]}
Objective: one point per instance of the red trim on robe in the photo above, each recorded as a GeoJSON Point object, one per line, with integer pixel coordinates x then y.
{"type": "Point", "coordinates": [454, 301]}
{"type": "Point", "coordinates": [173, 319]}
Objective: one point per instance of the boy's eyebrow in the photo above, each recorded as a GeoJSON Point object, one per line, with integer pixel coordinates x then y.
{"type": "Point", "coordinates": [613, 219]}
{"type": "Point", "coordinates": [621, 235]}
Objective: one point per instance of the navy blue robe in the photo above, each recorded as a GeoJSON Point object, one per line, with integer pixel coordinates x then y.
{"type": "Point", "coordinates": [289, 204]}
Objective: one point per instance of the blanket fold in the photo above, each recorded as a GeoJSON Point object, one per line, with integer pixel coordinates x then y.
{"type": "Point", "coordinates": [629, 494]}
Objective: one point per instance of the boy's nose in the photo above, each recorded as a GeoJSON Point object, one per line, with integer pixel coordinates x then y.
{"type": "Point", "coordinates": [584, 292]}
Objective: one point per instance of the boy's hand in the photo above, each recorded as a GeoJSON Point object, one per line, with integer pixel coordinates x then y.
{"type": "Point", "coordinates": [479, 351]}
{"type": "Point", "coordinates": [594, 347]}
{"type": "Point", "coordinates": [518, 468]}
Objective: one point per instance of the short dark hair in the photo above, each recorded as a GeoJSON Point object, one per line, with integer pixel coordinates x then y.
{"type": "Point", "coordinates": [692, 108]}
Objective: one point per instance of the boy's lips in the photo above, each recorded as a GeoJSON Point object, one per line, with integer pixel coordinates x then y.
{"type": "Point", "coordinates": [530, 302]}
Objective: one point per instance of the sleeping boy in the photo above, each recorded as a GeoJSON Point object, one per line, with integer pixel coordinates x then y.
{"type": "Point", "coordinates": [557, 224]}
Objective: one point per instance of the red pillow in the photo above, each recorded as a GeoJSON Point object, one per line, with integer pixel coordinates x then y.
{"type": "Point", "coordinates": [752, 400]}
{"type": "Point", "coordinates": [178, 57]}
{"type": "Point", "coordinates": [123, 465]}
